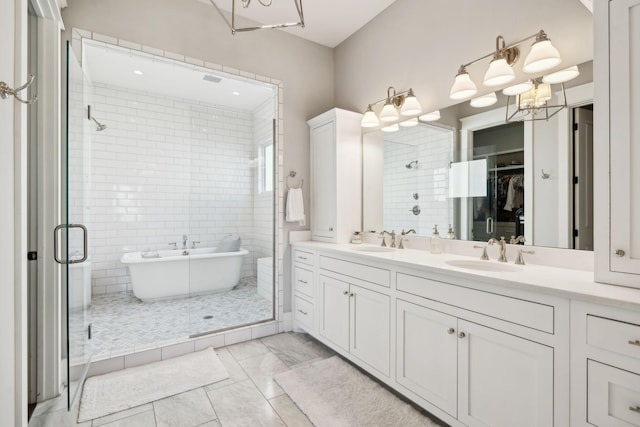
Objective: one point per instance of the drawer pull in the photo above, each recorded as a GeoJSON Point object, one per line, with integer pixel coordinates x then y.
{"type": "Point", "coordinates": [302, 257]}
{"type": "Point", "coordinates": [462, 335]}
{"type": "Point", "coordinates": [345, 293]}
{"type": "Point", "coordinates": [635, 409]}
{"type": "Point", "coordinates": [303, 312]}
{"type": "Point", "coordinates": [635, 342]}
{"type": "Point", "coordinates": [619, 252]}
{"type": "Point", "coordinates": [451, 331]}
{"type": "Point", "coordinates": [302, 281]}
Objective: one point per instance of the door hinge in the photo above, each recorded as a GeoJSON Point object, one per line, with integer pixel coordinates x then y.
{"type": "Point", "coordinates": [575, 126]}
{"type": "Point", "coordinates": [575, 179]}
{"type": "Point", "coordinates": [32, 256]}
{"type": "Point", "coordinates": [575, 233]}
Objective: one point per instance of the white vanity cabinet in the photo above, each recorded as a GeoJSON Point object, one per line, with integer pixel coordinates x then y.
{"type": "Point", "coordinates": [354, 315]}
{"type": "Point", "coordinates": [336, 175]}
{"type": "Point", "coordinates": [617, 147]}
{"type": "Point", "coordinates": [605, 366]}
{"type": "Point", "coordinates": [303, 278]}
{"type": "Point", "coordinates": [479, 374]}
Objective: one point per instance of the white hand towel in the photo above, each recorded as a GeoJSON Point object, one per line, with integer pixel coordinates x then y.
{"type": "Point", "coordinates": [295, 205]}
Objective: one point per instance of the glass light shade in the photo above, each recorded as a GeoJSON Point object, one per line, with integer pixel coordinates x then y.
{"type": "Point", "coordinates": [542, 57]}
{"type": "Point", "coordinates": [370, 120]}
{"type": "Point", "coordinates": [484, 100]}
{"type": "Point", "coordinates": [392, 128]}
{"type": "Point", "coordinates": [409, 123]}
{"type": "Point", "coordinates": [389, 113]}
{"type": "Point", "coordinates": [526, 100]}
{"type": "Point", "coordinates": [430, 117]}
{"type": "Point", "coordinates": [517, 89]}
{"type": "Point", "coordinates": [562, 75]}
{"type": "Point", "coordinates": [410, 106]}
{"type": "Point", "coordinates": [499, 73]}
{"type": "Point", "coordinates": [463, 87]}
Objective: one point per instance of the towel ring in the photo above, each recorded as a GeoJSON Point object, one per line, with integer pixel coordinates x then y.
{"type": "Point", "coordinates": [292, 174]}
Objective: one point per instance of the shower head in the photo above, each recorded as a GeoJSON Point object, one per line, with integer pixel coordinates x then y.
{"type": "Point", "coordinates": [99, 126]}
{"type": "Point", "coordinates": [412, 165]}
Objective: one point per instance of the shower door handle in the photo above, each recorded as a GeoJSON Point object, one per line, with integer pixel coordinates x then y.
{"type": "Point", "coordinates": [85, 243]}
{"type": "Point", "coordinates": [489, 225]}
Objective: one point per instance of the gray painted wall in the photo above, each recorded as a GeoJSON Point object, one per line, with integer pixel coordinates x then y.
{"type": "Point", "coordinates": [421, 44]}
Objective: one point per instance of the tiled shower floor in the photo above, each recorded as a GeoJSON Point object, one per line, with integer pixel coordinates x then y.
{"type": "Point", "coordinates": [123, 324]}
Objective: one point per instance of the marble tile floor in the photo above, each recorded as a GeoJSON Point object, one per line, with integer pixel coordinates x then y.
{"type": "Point", "coordinates": [249, 397]}
{"type": "Point", "coordinates": [123, 324]}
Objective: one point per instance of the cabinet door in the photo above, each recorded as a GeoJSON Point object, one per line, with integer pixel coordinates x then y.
{"type": "Point", "coordinates": [624, 131]}
{"type": "Point", "coordinates": [370, 327]}
{"type": "Point", "coordinates": [427, 354]}
{"type": "Point", "coordinates": [503, 380]}
{"type": "Point", "coordinates": [323, 192]}
{"type": "Point", "coordinates": [334, 311]}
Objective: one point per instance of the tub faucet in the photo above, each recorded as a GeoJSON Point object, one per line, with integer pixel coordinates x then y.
{"type": "Point", "coordinates": [173, 245]}
{"type": "Point", "coordinates": [184, 241]}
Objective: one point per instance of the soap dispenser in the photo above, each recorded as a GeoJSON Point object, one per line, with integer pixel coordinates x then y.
{"type": "Point", "coordinates": [450, 234]}
{"type": "Point", "coordinates": [436, 245]}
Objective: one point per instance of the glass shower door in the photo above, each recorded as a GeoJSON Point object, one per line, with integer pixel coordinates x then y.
{"type": "Point", "coordinates": [72, 236]}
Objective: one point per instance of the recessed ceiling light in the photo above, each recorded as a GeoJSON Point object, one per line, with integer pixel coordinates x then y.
{"type": "Point", "coordinates": [138, 72]}
{"type": "Point", "coordinates": [236, 93]}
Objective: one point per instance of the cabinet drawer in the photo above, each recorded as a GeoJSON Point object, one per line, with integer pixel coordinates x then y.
{"type": "Point", "coordinates": [526, 313]}
{"type": "Point", "coordinates": [613, 335]}
{"type": "Point", "coordinates": [375, 275]}
{"type": "Point", "coordinates": [613, 396]}
{"type": "Point", "coordinates": [303, 313]}
{"type": "Point", "coordinates": [303, 256]}
{"type": "Point", "coordinates": [303, 282]}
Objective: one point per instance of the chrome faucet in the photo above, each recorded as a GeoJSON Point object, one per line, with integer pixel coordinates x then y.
{"type": "Point", "coordinates": [193, 244]}
{"type": "Point", "coordinates": [503, 248]}
{"type": "Point", "coordinates": [393, 238]}
{"type": "Point", "coordinates": [484, 255]}
{"type": "Point", "coordinates": [515, 240]}
{"type": "Point", "coordinates": [520, 259]}
{"type": "Point", "coordinates": [404, 233]}
{"type": "Point", "coordinates": [184, 241]}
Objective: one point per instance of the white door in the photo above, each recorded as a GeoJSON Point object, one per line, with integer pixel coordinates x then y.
{"type": "Point", "coordinates": [427, 354]}
{"type": "Point", "coordinates": [334, 311]}
{"type": "Point", "coordinates": [625, 136]}
{"type": "Point", "coordinates": [323, 194]}
{"type": "Point", "coordinates": [503, 380]}
{"type": "Point", "coordinates": [370, 327]}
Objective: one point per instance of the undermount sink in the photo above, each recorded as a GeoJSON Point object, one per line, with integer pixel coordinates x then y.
{"type": "Point", "coordinates": [373, 249]}
{"type": "Point", "coordinates": [483, 265]}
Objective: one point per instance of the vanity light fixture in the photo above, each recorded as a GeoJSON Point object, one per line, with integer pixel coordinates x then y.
{"type": "Point", "coordinates": [562, 75]}
{"type": "Point", "coordinates": [430, 117]}
{"type": "Point", "coordinates": [266, 3]}
{"type": "Point", "coordinates": [391, 128]}
{"type": "Point", "coordinates": [409, 123]}
{"type": "Point", "coordinates": [518, 88]}
{"type": "Point", "coordinates": [395, 104]}
{"type": "Point", "coordinates": [484, 100]}
{"type": "Point", "coordinates": [542, 56]}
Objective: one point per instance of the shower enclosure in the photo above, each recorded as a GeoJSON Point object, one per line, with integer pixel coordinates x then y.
{"type": "Point", "coordinates": [167, 161]}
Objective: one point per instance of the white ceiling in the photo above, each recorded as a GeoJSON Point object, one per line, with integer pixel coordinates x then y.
{"type": "Point", "coordinates": [327, 22]}
{"type": "Point", "coordinates": [108, 64]}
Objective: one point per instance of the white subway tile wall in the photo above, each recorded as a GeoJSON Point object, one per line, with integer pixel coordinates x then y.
{"type": "Point", "coordinates": [168, 167]}
{"type": "Point", "coordinates": [432, 148]}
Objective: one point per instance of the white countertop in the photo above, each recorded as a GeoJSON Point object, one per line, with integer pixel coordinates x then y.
{"type": "Point", "coordinates": [563, 282]}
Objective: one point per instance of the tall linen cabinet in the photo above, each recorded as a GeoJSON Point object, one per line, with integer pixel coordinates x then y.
{"type": "Point", "coordinates": [336, 175]}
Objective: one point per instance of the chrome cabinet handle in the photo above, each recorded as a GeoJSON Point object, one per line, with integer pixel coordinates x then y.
{"type": "Point", "coordinates": [619, 252]}
{"type": "Point", "coordinates": [451, 331]}
{"type": "Point", "coordinates": [302, 257]}
{"type": "Point", "coordinates": [462, 335]}
{"type": "Point", "coordinates": [635, 409]}
{"type": "Point", "coordinates": [352, 294]}
{"type": "Point", "coordinates": [330, 228]}
{"type": "Point", "coordinates": [345, 293]}
{"type": "Point", "coordinates": [302, 281]}
{"type": "Point", "coordinates": [635, 342]}
{"type": "Point", "coordinates": [303, 312]}
{"type": "Point", "coordinates": [85, 244]}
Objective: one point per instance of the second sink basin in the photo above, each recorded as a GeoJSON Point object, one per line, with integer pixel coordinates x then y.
{"type": "Point", "coordinates": [483, 265]}
{"type": "Point", "coordinates": [373, 249]}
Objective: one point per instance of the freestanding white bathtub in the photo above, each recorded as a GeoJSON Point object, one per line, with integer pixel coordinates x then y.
{"type": "Point", "coordinates": [174, 274]}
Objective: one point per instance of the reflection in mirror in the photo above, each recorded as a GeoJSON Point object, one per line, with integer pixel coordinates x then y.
{"type": "Point", "coordinates": [538, 175]}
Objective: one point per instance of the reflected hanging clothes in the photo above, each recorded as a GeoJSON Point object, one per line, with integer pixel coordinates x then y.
{"type": "Point", "coordinates": [513, 199]}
